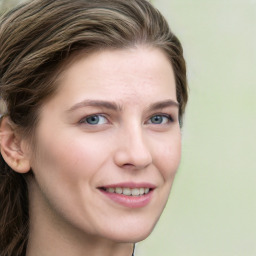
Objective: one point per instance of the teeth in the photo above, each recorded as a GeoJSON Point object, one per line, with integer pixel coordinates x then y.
{"type": "Point", "coordinates": [111, 190]}
{"type": "Point", "coordinates": [118, 190]}
{"type": "Point", "coordinates": [129, 191]}
{"type": "Point", "coordinates": [135, 191]}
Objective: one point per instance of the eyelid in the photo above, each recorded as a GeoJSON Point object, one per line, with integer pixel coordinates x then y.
{"type": "Point", "coordinates": [84, 119]}
{"type": "Point", "coordinates": [165, 115]}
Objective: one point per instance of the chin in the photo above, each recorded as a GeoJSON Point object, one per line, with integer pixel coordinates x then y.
{"type": "Point", "coordinates": [131, 233]}
{"type": "Point", "coordinates": [132, 237]}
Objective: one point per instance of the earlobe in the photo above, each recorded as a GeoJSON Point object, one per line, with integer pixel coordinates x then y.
{"type": "Point", "coordinates": [12, 148]}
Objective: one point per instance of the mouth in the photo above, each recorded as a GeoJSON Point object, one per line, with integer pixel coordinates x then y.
{"type": "Point", "coordinates": [129, 195]}
{"type": "Point", "coordinates": [127, 191]}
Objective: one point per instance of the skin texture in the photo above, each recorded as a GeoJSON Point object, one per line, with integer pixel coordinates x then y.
{"type": "Point", "coordinates": [72, 159]}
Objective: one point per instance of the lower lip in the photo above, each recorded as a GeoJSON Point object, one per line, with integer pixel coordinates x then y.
{"type": "Point", "coordinates": [130, 201]}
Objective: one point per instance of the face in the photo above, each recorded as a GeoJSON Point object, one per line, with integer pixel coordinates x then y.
{"type": "Point", "coordinates": [108, 144]}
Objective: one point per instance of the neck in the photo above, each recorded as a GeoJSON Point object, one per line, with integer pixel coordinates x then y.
{"type": "Point", "coordinates": [50, 235]}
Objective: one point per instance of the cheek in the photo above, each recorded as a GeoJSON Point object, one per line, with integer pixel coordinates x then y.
{"type": "Point", "coordinates": [66, 160]}
{"type": "Point", "coordinates": [64, 170]}
{"type": "Point", "coordinates": [63, 158]}
{"type": "Point", "coordinates": [168, 156]}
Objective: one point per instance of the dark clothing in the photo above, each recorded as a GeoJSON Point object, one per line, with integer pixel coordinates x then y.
{"type": "Point", "coordinates": [133, 250]}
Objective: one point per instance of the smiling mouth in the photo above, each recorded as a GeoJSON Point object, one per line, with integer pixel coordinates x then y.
{"type": "Point", "coordinates": [127, 191]}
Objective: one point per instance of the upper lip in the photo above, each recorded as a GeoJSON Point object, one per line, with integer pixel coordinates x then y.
{"type": "Point", "coordinates": [130, 185]}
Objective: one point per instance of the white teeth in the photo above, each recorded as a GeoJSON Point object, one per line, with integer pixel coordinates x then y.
{"type": "Point", "coordinates": [129, 191]}
{"type": "Point", "coordinates": [135, 191]}
{"type": "Point", "coordinates": [111, 190]}
{"type": "Point", "coordinates": [118, 190]}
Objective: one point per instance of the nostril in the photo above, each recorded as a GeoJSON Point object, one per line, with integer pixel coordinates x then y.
{"type": "Point", "coordinates": [128, 165]}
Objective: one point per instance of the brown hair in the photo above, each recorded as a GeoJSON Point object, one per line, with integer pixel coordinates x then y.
{"type": "Point", "coordinates": [35, 39]}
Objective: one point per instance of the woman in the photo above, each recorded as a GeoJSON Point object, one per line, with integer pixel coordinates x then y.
{"type": "Point", "coordinates": [95, 92]}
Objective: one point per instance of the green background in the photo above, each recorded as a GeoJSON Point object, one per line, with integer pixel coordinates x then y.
{"type": "Point", "coordinates": [212, 207]}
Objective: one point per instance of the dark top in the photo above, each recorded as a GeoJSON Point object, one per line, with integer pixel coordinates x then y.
{"type": "Point", "coordinates": [133, 250]}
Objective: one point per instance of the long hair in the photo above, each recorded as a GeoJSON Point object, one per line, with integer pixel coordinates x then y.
{"type": "Point", "coordinates": [36, 39]}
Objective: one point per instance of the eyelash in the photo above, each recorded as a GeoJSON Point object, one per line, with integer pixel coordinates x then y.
{"type": "Point", "coordinates": [98, 116]}
{"type": "Point", "coordinates": [168, 117]}
{"type": "Point", "coordinates": [85, 119]}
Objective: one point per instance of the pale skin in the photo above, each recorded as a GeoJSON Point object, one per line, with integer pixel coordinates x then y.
{"type": "Point", "coordinates": [113, 120]}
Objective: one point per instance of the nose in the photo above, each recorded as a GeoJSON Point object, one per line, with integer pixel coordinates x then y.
{"type": "Point", "coordinates": [133, 151]}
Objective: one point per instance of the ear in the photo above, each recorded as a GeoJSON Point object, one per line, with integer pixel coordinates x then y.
{"type": "Point", "coordinates": [13, 148]}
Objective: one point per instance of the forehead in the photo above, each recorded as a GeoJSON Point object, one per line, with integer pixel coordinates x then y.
{"type": "Point", "coordinates": [121, 75]}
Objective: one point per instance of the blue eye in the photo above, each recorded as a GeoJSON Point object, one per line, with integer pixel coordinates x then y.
{"type": "Point", "coordinates": [94, 120]}
{"type": "Point", "coordinates": [160, 119]}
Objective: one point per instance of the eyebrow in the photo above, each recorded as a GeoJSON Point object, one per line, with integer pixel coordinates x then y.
{"type": "Point", "coordinates": [163, 104]}
{"type": "Point", "coordinates": [114, 106]}
{"type": "Point", "coordinates": [96, 103]}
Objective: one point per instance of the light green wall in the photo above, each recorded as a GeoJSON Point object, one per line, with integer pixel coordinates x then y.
{"type": "Point", "coordinates": [212, 207]}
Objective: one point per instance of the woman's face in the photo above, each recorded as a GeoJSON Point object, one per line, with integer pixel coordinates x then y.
{"type": "Point", "coordinates": [108, 145]}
